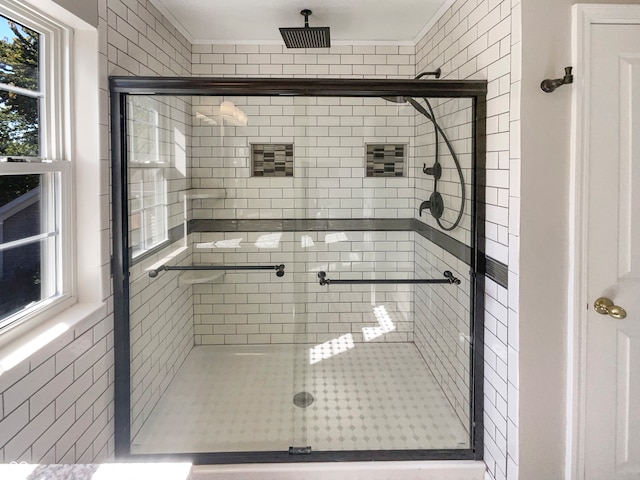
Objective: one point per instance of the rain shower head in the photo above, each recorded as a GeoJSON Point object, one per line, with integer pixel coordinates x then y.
{"type": "Point", "coordinates": [306, 37]}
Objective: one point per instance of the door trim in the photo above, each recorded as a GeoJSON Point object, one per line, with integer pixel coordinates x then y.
{"type": "Point", "coordinates": [583, 17]}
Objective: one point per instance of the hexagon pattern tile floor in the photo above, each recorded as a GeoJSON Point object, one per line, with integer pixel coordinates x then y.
{"type": "Point", "coordinates": [372, 396]}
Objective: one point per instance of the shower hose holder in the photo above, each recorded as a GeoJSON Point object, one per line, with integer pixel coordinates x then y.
{"type": "Point", "coordinates": [436, 170]}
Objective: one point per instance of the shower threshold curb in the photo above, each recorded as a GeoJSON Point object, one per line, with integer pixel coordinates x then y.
{"type": "Point", "coordinates": [415, 470]}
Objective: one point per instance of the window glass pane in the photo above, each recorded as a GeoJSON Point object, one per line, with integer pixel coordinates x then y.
{"type": "Point", "coordinates": [28, 240]}
{"type": "Point", "coordinates": [144, 130]}
{"type": "Point", "coordinates": [19, 114]}
{"type": "Point", "coordinates": [148, 207]}
{"type": "Point", "coordinates": [19, 125]}
{"type": "Point", "coordinates": [20, 207]}
{"type": "Point", "coordinates": [19, 52]}
{"type": "Point", "coordinates": [20, 278]}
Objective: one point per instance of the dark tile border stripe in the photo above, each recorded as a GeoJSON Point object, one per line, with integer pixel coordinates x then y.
{"type": "Point", "coordinates": [454, 247]}
{"type": "Point", "coordinates": [301, 225]}
{"type": "Point", "coordinates": [451, 245]}
{"type": "Point", "coordinates": [497, 271]}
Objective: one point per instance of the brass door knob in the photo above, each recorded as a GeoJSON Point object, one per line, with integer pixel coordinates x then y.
{"type": "Point", "coordinates": [605, 306]}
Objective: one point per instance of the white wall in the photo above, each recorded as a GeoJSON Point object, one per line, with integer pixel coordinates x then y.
{"type": "Point", "coordinates": [546, 44]}
{"type": "Point", "coordinates": [544, 247]}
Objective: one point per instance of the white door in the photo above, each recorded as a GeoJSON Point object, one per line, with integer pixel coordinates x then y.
{"type": "Point", "coordinates": [612, 399]}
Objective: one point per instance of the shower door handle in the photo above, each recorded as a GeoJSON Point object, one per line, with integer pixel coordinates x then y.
{"type": "Point", "coordinates": [605, 306]}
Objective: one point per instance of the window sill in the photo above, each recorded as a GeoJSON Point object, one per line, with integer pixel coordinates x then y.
{"type": "Point", "coordinates": [21, 342]}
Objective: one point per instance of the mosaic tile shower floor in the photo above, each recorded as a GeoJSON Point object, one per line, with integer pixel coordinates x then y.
{"type": "Point", "coordinates": [372, 396]}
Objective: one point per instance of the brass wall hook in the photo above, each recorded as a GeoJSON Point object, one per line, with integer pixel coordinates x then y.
{"type": "Point", "coordinates": [549, 85]}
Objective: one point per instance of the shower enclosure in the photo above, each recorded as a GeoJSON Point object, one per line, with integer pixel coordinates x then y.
{"type": "Point", "coordinates": [283, 290]}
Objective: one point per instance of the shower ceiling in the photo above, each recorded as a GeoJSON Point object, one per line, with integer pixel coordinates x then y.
{"type": "Point", "coordinates": [257, 21]}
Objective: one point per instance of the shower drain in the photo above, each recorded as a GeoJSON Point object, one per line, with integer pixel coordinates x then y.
{"type": "Point", "coordinates": [303, 399]}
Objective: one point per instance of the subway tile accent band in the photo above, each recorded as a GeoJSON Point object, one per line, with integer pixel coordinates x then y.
{"type": "Point", "coordinates": [301, 225]}
{"type": "Point", "coordinates": [497, 271]}
{"type": "Point", "coordinates": [451, 245]}
{"type": "Point", "coordinates": [454, 247]}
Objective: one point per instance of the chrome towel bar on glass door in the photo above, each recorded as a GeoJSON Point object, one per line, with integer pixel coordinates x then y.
{"type": "Point", "coordinates": [278, 268]}
{"type": "Point", "coordinates": [449, 278]}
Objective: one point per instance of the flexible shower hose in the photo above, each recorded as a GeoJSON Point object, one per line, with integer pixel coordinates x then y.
{"type": "Point", "coordinates": [431, 116]}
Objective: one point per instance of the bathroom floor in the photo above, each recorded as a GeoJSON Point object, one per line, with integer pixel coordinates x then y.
{"type": "Point", "coordinates": [366, 396]}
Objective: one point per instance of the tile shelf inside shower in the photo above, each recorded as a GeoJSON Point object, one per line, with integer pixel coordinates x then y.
{"type": "Point", "coordinates": [205, 193]}
{"type": "Point", "coordinates": [194, 277]}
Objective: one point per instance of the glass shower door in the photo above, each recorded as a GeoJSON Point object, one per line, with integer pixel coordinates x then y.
{"type": "Point", "coordinates": [380, 363]}
{"type": "Point", "coordinates": [344, 352]}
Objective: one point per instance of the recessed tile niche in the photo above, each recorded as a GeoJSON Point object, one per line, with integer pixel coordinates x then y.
{"type": "Point", "coordinates": [385, 159]}
{"type": "Point", "coordinates": [272, 159]}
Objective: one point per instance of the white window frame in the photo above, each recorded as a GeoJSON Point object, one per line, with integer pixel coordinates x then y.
{"type": "Point", "coordinates": [55, 150]}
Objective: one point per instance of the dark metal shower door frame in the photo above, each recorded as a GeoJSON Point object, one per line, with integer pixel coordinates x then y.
{"type": "Point", "coordinates": [120, 87]}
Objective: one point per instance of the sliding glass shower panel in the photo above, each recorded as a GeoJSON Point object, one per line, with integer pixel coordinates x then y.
{"type": "Point", "coordinates": [289, 288]}
{"type": "Point", "coordinates": [373, 379]}
{"type": "Point", "coordinates": [160, 305]}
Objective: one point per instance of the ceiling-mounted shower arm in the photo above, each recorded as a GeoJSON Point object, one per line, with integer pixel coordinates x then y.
{"type": "Point", "coordinates": [549, 85]}
{"type": "Point", "coordinates": [306, 12]}
{"type": "Point", "coordinates": [436, 73]}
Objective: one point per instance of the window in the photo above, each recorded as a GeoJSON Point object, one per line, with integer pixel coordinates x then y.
{"type": "Point", "coordinates": [35, 264]}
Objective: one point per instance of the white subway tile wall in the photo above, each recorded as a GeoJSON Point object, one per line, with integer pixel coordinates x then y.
{"type": "Point", "coordinates": [480, 39]}
{"type": "Point", "coordinates": [455, 118]}
{"type": "Point", "coordinates": [329, 136]}
{"type": "Point", "coordinates": [141, 41]}
{"type": "Point", "coordinates": [57, 406]}
{"type": "Point", "coordinates": [261, 308]}
{"type": "Point", "coordinates": [340, 61]}
{"type": "Point", "coordinates": [161, 326]}
{"type": "Point", "coordinates": [443, 324]}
